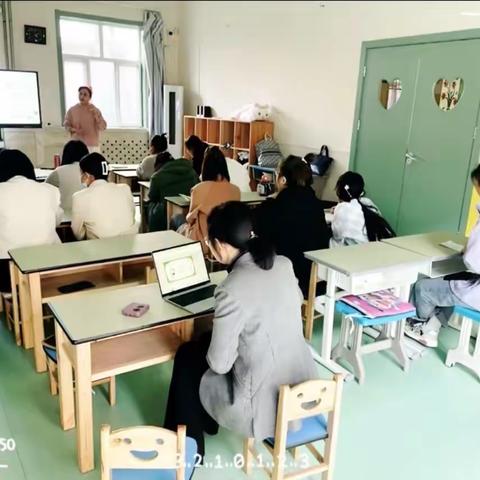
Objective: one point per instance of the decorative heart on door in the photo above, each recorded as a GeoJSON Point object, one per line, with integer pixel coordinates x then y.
{"type": "Point", "coordinates": [390, 93]}
{"type": "Point", "coordinates": [447, 93]}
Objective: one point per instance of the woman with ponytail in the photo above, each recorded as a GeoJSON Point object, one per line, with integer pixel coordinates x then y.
{"type": "Point", "coordinates": [356, 218]}
{"type": "Point", "coordinates": [232, 376]}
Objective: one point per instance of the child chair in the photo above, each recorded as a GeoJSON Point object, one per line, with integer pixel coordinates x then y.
{"type": "Point", "coordinates": [306, 402]}
{"type": "Point", "coordinates": [350, 346]}
{"type": "Point", "coordinates": [147, 453]}
{"type": "Point", "coordinates": [461, 354]}
{"type": "Point", "coordinates": [50, 349]}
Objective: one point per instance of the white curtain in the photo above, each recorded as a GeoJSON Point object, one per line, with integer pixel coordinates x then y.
{"type": "Point", "coordinates": [155, 66]}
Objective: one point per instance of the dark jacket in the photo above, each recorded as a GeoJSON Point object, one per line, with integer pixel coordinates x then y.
{"type": "Point", "coordinates": [294, 222]}
{"type": "Point", "coordinates": [175, 177]}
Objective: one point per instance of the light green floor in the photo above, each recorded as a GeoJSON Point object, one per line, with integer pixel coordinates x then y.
{"type": "Point", "coordinates": [421, 425]}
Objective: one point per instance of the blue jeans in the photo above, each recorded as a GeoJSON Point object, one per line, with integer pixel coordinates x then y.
{"type": "Point", "coordinates": [433, 296]}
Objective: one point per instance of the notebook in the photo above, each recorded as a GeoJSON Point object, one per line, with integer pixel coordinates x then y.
{"type": "Point", "coordinates": [456, 247]}
{"type": "Point", "coordinates": [379, 304]}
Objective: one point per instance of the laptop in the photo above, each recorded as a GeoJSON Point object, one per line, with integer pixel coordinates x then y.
{"type": "Point", "coordinates": [183, 277]}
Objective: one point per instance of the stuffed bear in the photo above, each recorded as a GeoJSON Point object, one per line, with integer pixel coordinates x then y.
{"type": "Point", "coordinates": [252, 112]}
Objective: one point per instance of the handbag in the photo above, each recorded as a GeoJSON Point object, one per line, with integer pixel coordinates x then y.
{"type": "Point", "coordinates": [268, 153]}
{"type": "Point", "coordinates": [321, 163]}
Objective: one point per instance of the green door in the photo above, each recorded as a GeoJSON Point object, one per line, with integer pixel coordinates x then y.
{"type": "Point", "coordinates": [383, 131]}
{"type": "Point", "coordinates": [440, 144]}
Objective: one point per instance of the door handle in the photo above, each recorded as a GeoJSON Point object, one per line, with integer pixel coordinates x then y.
{"type": "Point", "coordinates": [410, 158]}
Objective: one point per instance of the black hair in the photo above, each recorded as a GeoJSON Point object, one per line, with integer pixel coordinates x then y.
{"type": "Point", "coordinates": [88, 89]}
{"type": "Point", "coordinates": [297, 172]}
{"type": "Point", "coordinates": [214, 164]}
{"type": "Point", "coordinates": [96, 165]}
{"type": "Point", "coordinates": [73, 151]}
{"type": "Point", "coordinates": [350, 186]}
{"type": "Point", "coordinates": [231, 223]}
{"type": "Point", "coordinates": [197, 149]}
{"type": "Point", "coordinates": [161, 160]}
{"type": "Point", "coordinates": [13, 163]}
{"type": "Point", "coordinates": [475, 175]}
{"type": "Point", "coordinates": [159, 143]}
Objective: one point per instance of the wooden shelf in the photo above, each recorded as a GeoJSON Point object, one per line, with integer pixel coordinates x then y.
{"type": "Point", "coordinates": [241, 136]}
{"type": "Point", "coordinates": [102, 279]}
{"type": "Point", "coordinates": [126, 353]}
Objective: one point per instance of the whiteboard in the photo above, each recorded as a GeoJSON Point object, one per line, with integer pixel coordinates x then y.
{"type": "Point", "coordinates": [19, 100]}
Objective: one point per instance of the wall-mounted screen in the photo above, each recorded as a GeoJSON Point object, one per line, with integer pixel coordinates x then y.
{"type": "Point", "coordinates": [19, 100]}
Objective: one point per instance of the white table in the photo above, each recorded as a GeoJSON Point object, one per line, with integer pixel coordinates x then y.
{"type": "Point", "coordinates": [96, 341]}
{"type": "Point", "coordinates": [361, 269]}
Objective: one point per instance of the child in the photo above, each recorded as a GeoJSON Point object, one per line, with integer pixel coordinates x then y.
{"type": "Point", "coordinates": [196, 148]}
{"type": "Point", "coordinates": [434, 297]}
{"type": "Point", "coordinates": [356, 219]}
{"type": "Point", "coordinates": [158, 144]}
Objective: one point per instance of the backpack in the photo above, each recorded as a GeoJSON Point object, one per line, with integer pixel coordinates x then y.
{"type": "Point", "coordinates": [377, 227]}
{"type": "Point", "coordinates": [268, 153]}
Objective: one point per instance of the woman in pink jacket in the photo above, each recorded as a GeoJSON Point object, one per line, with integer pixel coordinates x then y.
{"type": "Point", "coordinates": [84, 121]}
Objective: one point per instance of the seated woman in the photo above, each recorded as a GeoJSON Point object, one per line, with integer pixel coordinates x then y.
{"type": "Point", "coordinates": [232, 376]}
{"type": "Point", "coordinates": [29, 210]}
{"type": "Point", "coordinates": [435, 297]}
{"type": "Point", "coordinates": [158, 144]}
{"type": "Point", "coordinates": [214, 189]}
{"type": "Point", "coordinates": [356, 219]}
{"type": "Point", "coordinates": [103, 209]}
{"type": "Point", "coordinates": [172, 177]}
{"type": "Point", "coordinates": [294, 221]}
{"type": "Point", "coordinates": [196, 148]}
{"type": "Point", "coordinates": [67, 176]}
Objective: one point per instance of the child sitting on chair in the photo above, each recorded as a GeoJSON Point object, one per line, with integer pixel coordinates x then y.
{"type": "Point", "coordinates": [435, 297]}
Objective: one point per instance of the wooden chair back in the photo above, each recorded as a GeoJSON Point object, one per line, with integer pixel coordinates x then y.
{"type": "Point", "coordinates": [143, 448]}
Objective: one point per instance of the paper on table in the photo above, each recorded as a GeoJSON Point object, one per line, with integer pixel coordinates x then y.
{"type": "Point", "coordinates": [185, 197]}
{"type": "Point", "coordinates": [456, 247]}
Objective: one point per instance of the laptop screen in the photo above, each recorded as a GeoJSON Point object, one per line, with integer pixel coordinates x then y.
{"type": "Point", "coordinates": [180, 267]}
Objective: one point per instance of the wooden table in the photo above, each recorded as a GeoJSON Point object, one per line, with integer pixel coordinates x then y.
{"type": "Point", "coordinates": [41, 174]}
{"type": "Point", "coordinates": [443, 260]}
{"type": "Point", "coordinates": [144, 189]}
{"type": "Point", "coordinates": [96, 341]}
{"type": "Point", "coordinates": [355, 270]}
{"type": "Point", "coordinates": [180, 204]}
{"type": "Point", "coordinates": [125, 176]}
{"type": "Point", "coordinates": [108, 262]}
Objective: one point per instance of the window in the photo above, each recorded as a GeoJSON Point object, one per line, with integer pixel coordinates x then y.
{"type": "Point", "coordinates": [106, 56]}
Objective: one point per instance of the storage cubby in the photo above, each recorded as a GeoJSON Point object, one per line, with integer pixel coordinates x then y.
{"type": "Point", "coordinates": [188, 126]}
{"type": "Point", "coordinates": [227, 129]}
{"type": "Point", "coordinates": [242, 135]}
{"type": "Point", "coordinates": [239, 136]}
{"type": "Point", "coordinates": [213, 131]}
{"type": "Point", "coordinates": [201, 128]}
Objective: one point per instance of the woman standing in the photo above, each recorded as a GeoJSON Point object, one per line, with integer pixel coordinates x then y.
{"type": "Point", "coordinates": [257, 344]}
{"type": "Point", "coordinates": [84, 121]}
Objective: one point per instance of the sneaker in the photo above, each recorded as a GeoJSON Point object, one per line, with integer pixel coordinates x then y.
{"type": "Point", "coordinates": [417, 332]}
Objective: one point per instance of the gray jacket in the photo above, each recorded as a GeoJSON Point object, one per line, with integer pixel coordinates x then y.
{"type": "Point", "coordinates": [257, 345]}
{"type": "Point", "coordinates": [467, 291]}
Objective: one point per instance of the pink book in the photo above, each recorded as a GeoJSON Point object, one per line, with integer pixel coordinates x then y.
{"type": "Point", "coordinates": [379, 304]}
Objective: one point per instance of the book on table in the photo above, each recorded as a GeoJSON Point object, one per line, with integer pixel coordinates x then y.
{"type": "Point", "coordinates": [383, 303]}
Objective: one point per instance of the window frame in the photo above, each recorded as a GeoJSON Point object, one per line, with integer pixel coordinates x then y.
{"type": "Point", "coordinates": [61, 14]}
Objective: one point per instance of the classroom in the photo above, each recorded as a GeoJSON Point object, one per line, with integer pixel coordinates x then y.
{"type": "Point", "coordinates": [239, 239]}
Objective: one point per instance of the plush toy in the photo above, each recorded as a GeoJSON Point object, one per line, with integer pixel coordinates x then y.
{"type": "Point", "coordinates": [252, 112]}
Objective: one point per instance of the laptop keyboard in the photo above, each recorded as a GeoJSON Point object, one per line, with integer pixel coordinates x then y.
{"type": "Point", "coordinates": [194, 296]}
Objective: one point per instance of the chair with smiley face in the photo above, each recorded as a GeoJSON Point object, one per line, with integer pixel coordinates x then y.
{"type": "Point", "coordinates": [301, 422]}
{"type": "Point", "coordinates": [147, 453]}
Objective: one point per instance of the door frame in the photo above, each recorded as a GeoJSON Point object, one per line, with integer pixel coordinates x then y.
{"type": "Point", "coordinates": [470, 34]}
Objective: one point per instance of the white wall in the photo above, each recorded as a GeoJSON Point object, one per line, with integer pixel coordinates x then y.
{"type": "Point", "coordinates": [302, 57]}
{"type": "Point", "coordinates": [43, 58]}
